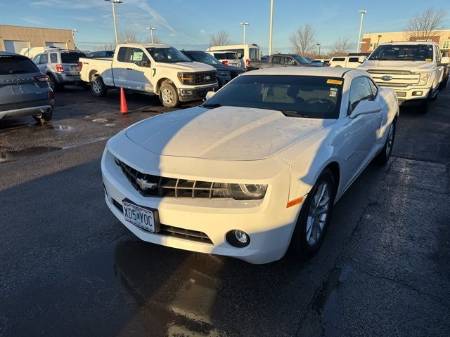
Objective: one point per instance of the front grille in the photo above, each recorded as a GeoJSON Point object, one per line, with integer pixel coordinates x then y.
{"type": "Point", "coordinates": [397, 78]}
{"type": "Point", "coordinates": [206, 77]}
{"type": "Point", "coordinates": [156, 186]}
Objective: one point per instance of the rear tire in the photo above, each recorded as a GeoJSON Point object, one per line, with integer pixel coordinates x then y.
{"type": "Point", "coordinates": [44, 117]}
{"type": "Point", "coordinates": [98, 88]}
{"type": "Point", "coordinates": [168, 95]}
{"type": "Point", "coordinates": [314, 217]}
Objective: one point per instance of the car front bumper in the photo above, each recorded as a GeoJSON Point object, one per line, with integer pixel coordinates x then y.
{"type": "Point", "coordinates": [268, 222]}
{"type": "Point", "coordinates": [411, 94]}
{"type": "Point", "coordinates": [187, 94]}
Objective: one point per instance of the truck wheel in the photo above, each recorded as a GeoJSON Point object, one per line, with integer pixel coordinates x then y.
{"type": "Point", "coordinates": [168, 95]}
{"type": "Point", "coordinates": [98, 88]}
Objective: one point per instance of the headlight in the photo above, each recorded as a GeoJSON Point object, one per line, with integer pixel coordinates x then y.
{"type": "Point", "coordinates": [247, 191]}
{"type": "Point", "coordinates": [424, 77]}
{"type": "Point", "coordinates": [186, 78]}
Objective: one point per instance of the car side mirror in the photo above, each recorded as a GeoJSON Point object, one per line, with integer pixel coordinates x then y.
{"type": "Point", "coordinates": [210, 94]}
{"type": "Point", "coordinates": [359, 108]}
{"type": "Point", "coordinates": [445, 60]}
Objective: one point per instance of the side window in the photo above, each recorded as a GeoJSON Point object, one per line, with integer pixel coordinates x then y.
{"type": "Point", "coordinates": [438, 56]}
{"type": "Point", "coordinates": [276, 60]}
{"type": "Point", "coordinates": [353, 59]}
{"type": "Point", "coordinates": [53, 58]}
{"type": "Point", "coordinates": [290, 61]}
{"type": "Point", "coordinates": [373, 87]}
{"type": "Point", "coordinates": [37, 58]}
{"type": "Point", "coordinates": [123, 54]}
{"type": "Point", "coordinates": [133, 55]}
{"type": "Point", "coordinates": [360, 90]}
{"type": "Point", "coordinates": [43, 59]}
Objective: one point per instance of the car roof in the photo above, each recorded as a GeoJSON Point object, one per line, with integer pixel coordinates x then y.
{"type": "Point", "coordinates": [145, 45]}
{"type": "Point", "coordinates": [306, 71]}
{"type": "Point", "coordinates": [409, 43]}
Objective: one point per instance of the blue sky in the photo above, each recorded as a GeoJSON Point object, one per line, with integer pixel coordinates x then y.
{"type": "Point", "coordinates": [189, 23]}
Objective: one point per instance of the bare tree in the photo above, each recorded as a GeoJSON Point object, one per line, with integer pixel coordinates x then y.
{"type": "Point", "coordinates": [341, 47]}
{"type": "Point", "coordinates": [424, 25]}
{"type": "Point", "coordinates": [130, 36]}
{"type": "Point", "coordinates": [303, 40]}
{"type": "Point", "coordinates": [220, 39]}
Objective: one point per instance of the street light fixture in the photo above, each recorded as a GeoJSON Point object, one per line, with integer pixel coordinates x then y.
{"type": "Point", "coordinates": [244, 26]}
{"type": "Point", "coordinates": [113, 5]}
{"type": "Point", "coordinates": [151, 29]}
{"type": "Point", "coordinates": [358, 46]}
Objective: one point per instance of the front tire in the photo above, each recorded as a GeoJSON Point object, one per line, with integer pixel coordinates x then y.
{"type": "Point", "coordinates": [168, 95]}
{"type": "Point", "coordinates": [314, 217]}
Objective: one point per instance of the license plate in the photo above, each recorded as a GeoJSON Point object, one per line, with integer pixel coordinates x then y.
{"type": "Point", "coordinates": [139, 216]}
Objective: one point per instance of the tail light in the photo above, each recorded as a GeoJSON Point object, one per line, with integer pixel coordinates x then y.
{"type": "Point", "coordinates": [59, 68]}
{"type": "Point", "coordinates": [41, 78]}
{"type": "Point", "coordinates": [225, 62]}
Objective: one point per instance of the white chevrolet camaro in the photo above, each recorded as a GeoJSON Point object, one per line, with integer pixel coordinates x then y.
{"type": "Point", "coordinates": [257, 168]}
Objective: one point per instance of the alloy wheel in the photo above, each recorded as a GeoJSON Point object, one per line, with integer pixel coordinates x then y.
{"type": "Point", "coordinates": [318, 214]}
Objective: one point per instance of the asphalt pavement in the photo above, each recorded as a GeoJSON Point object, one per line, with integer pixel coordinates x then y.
{"type": "Point", "coordinates": [68, 268]}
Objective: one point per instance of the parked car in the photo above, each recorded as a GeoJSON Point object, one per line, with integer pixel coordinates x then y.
{"type": "Point", "coordinates": [60, 65]}
{"type": "Point", "coordinates": [228, 58]}
{"type": "Point", "coordinates": [346, 61]}
{"type": "Point", "coordinates": [245, 52]}
{"type": "Point", "coordinates": [224, 73]}
{"type": "Point", "coordinates": [283, 60]}
{"type": "Point", "coordinates": [100, 54]}
{"type": "Point", "coordinates": [415, 70]}
{"type": "Point", "coordinates": [152, 68]}
{"type": "Point", "coordinates": [24, 91]}
{"type": "Point", "coordinates": [255, 169]}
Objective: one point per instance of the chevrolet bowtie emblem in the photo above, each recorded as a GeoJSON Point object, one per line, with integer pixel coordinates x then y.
{"type": "Point", "coordinates": [145, 185]}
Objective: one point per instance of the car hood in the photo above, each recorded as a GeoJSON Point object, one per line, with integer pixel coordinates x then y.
{"type": "Point", "coordinates": [401, 65]}
{"type": "Point", "coordinates": [186, 66]}
{"type": "Point", "coordinates": [224, 133]}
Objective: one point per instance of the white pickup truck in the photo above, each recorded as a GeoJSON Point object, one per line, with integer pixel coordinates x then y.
{"type": "Point", "coordinates": [152, 68]}
{"type": "Point", "coordinates": [415, 70]}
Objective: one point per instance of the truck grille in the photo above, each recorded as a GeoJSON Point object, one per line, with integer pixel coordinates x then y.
{"type": "Point", "coordinates": [206, 77]}
{"type": "Point", "coordinates": [156, 186]}
{"type": "Point", "coordinates": [394, 78]}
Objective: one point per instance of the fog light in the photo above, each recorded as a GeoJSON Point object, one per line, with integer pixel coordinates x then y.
{"type": "Point", "coordinates": [417, 93]}
{"type": "Point", "coordinates": [238, 238]}
{"type": "Point", "coordinates": [185, 92]}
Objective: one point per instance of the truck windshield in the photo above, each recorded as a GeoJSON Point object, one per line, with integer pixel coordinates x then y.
{"type": "Point", "coordinates": [202, 57]}
{"type": "Point", "coordinates": [294, 96]}
{"type": "Point", "coordinates": [168, 55]}
{"type": "Point", "coordinates": [403, 53]}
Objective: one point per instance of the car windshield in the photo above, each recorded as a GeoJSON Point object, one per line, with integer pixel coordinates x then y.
{"type": "Point", "coordinates": [294, 96]}
{"type": "Point", "coordinates": [201, 56]}
{"type": "Point", "coordinates": [301, 59]}
{"type": "Point", "coordinates": [403, 53]}
{"type": "Point", "coordinates": [71, 57]}
{"type": "Point", "coordinates": [12, 64]}
{"type": "Point", "coordinates": [168, 55]}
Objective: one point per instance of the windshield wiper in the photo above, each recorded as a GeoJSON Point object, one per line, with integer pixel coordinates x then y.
{"type": "Point", "coordinates": [212, 105]}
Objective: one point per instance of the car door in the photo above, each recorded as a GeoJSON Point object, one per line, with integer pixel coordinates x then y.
{"type": "Point", "coordinates": [41, 61]}
{"type": "Point", "coordinates": [139, 71]}
{"type": "Point", "coordinates": [362, 123]}
{"type": "Point", "coordinates": [122, 66]}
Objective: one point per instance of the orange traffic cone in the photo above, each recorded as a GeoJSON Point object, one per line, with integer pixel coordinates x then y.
{"type": "Point", "coordinates": [123, 102]}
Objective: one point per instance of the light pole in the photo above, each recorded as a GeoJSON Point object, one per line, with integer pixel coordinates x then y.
{"type": "Point", "coordinates": [270, 27]}
{"type": "Point", "coordinates": [318, 46]}
{"type": "Point", "coordinates": [74, 31]}
{"type": "Point", "coordinates": [362, 12]}
{"type": "Point", "coordinates": [151, 29]}
{"type": "Point", "coordinates": [244, 26]}
{"type": "Point", "coordinates": [113, 4]}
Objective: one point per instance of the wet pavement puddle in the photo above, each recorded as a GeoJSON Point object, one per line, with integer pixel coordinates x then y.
{"type": "Point", "coordinates": [9, 155]}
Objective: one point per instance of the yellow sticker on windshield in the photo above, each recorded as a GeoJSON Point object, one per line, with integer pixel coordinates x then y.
{"type": "Point", "coordinates": [428, 60]}
{"type": "Point", "coordinates": [336, 82]}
